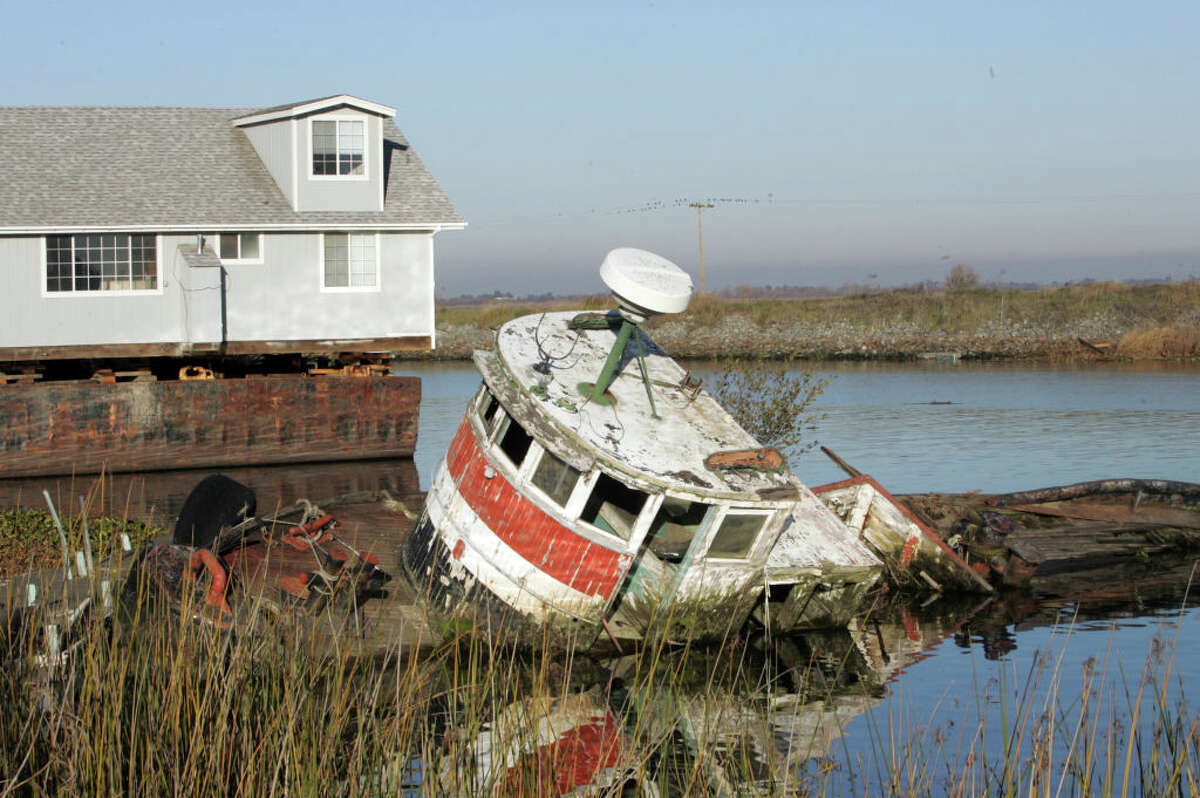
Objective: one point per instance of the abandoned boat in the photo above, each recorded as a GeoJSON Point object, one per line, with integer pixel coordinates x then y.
{"type": "Point", "coordinates": [586, 495]}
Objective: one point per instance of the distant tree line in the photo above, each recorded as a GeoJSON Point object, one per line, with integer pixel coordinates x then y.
{"type": "Point", "coordinates": [961, 277]}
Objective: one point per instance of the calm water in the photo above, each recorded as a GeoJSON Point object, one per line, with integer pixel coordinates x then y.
{"type": "Point", "coordinates": [1009, 427]}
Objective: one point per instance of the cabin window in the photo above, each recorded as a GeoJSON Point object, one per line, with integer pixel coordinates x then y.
{"type": "Point", "coordinates": [555, 478]}
{"type": "Point", "coordinates": [675, 526]}
{"type": "Point", "coordinates": [737, 534]}
{"type": "Point", "coordinates": [101, 262]}
{"type": "Point", "coordinates": [487, 406]}
{"type": "Point", "coordinates": [613, 507]}
{"type": "Point", "coordinates": [238, 246]}
{"type": "Point", "coordinates": [337, 147]}
{"type": "Point", "coordinates": [350, 261]}
{"type": "Point", "coordinates": [514, 442]}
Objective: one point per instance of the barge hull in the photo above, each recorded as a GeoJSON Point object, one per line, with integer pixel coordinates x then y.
{"type": "Point", "coordinates": [85, 427]}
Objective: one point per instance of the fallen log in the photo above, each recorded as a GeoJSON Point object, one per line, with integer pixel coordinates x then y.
{"type": "Point", "coordinates": [1189, 490]}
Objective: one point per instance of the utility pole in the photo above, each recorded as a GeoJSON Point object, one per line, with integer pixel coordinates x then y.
{"type": "Point", "coordinates": [700, 206]}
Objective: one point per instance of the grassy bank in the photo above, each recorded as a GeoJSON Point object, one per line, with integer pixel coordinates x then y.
{"type": "Point", "coordinates": [157, 705]}
{"type": "Point", "coordinates": [1134, 322]}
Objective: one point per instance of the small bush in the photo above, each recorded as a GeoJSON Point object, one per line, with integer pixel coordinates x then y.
{"type": "Point", "coordinates": [770, 399]}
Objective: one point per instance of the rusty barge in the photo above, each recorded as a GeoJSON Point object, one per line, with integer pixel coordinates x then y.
{"type": "Point", "coordinates": [91, 426]}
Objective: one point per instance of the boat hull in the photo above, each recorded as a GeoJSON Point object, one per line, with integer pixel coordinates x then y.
{"type": "Point", "coordinates": [485, 549]}
{"type": "Point", "coordinates": [85, 427]}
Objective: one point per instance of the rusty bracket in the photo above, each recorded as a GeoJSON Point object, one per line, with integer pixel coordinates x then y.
{"type": "Point", "coordinates": [196, 373]}
{"type": "Point", "coordinates": [766, 459]}
{"type": "Point", "coordinates": [353, 370]}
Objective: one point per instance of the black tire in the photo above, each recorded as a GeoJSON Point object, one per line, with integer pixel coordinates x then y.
{"type": "Point", "coordinates": [215, 503]}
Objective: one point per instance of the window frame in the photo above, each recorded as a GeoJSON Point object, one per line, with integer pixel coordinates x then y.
{"type": "Point", "coordinates": [641, 521]}
{"type": "Point", "coordinates": [216, 238]}
{"type": "Point", "coordinates": [326, 289]}
{"type": "Point", "coordinates": [543, 453]}
{"type": "Point", "coordinates": [338, 119]}
{"type": "Point", "coordinates": [101, 292]}
{"type": "Point", "coordinates": [767, 513]}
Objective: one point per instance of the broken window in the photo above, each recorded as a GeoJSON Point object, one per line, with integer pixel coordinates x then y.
{"type": "Point", "coordinates": [675, 526]}
{"type": "Point", "coordinates": [613, 507]}
{"type": "Point", "coordinates": [555, 478]}
{"type": "Point", "coordinates": [737, 534]}
{"type": "Point", "coordinates": [487, 407]}
{"type": "Point", "coordinates": [515, 443]}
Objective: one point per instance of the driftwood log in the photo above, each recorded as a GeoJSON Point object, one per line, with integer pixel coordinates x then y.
{"type": "Point", "coordinates": [1099, 487]}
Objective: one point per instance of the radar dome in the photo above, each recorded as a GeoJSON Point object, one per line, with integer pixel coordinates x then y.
{"type": "Point", "coordinates": [645, 284]}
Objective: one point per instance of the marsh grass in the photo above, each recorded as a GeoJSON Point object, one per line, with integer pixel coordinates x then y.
{"type": "Point", "coordinates": [1170, 311]}
{"type": "Point", "coordinates": [152, 703]}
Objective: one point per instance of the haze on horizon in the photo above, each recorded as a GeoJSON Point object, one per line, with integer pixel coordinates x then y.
{"type": "Point", "coordinates": [838, 141]}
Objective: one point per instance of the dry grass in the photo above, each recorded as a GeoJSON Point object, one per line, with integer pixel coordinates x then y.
{"type": "Point", "coordinates": [1141, 306]}
{"type": "Point", "coordinates": [157, 705]}
{"type": "Point", "coordinates": [489, 316]}
{"type": "Point", "coordinates": [1173, 341]}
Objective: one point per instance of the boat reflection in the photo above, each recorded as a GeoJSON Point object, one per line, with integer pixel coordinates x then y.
{"type": "Point", "coordinates": [761, 714]}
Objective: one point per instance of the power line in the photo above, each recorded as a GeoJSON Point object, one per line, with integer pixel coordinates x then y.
{"type": "Point", "coordinates": [700, 206]}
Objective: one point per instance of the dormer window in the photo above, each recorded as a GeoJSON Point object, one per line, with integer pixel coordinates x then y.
{"type": "Point", "coordinates": [337, 148]}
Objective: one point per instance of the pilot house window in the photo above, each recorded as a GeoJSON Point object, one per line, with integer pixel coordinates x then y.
{"type": "Point", "coordinates": [555, 478]}
{"type": "Point", "coordinates": [613, 507]}
{"type": "Point", "coordinates": [737, 534]}
{"type": "Point", "coordinates": [515, 443]}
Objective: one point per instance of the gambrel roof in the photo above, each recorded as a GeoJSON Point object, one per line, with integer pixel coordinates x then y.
{"type": "Point", "coordinates": [153, 168]}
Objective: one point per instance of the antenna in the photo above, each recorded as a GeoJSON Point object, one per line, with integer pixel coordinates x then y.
{"type": "Point", "coordinates": [644, 285]}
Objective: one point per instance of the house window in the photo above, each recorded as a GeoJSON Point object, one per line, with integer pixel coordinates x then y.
{"type": "Point", "coordinates": [101, 262]}
{"type": "Point", "coordinates": [351, 261]}
{"type": "Point", "coordinates": [337, 147]}
{"type": "Point", "coordinates": [238, 246]}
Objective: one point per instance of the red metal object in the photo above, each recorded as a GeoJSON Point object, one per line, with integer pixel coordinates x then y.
{"type": "Point", "coordinates": [757, 459]}
{"type": "Point", "coordinates": [303, 537]}
{"type": "Point", "coordinates": [85, 427]}
{"type": "Point", "coordinates": [204, 559]}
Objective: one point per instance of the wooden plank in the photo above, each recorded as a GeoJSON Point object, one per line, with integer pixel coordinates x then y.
{"type": "Point", "coordinates": [406, 343]}
{"type": "Point", "coordinates": [1119, 513]}
{"type": "Point", "coordinates": [84, 427]}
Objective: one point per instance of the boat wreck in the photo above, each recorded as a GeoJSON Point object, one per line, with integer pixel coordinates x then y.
{"type": "Point", "coordinates": [594, 488]}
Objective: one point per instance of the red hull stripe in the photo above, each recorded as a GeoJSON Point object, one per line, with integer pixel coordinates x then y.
{"type": "Point", "coordinates": [555, 550]}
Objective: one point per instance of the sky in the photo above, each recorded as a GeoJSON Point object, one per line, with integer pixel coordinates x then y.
{"type": "Point", "coordinates": [838, 142]}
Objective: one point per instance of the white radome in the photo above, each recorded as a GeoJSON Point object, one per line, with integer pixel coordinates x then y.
{"type": "Point", "coordinates": [645, 283]}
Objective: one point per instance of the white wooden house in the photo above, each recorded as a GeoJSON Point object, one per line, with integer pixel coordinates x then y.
{"type": "Point", "coordinates": [138, 232]}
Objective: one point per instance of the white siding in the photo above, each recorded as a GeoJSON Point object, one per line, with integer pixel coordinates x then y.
{"type": "Point", "coordinates": [30, 318]}
{"type": "Point", "coordinates": [281, 298]}
{"type": "Point", "coordinates": [277, 300]}
{"type": "Point", "coordinates": [273, 143]}
{"type": "Point", "coordinates": [340, 194]}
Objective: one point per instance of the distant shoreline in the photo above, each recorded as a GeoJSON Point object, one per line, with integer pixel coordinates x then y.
{"type": "Point", "coordinates": [1078, 323]}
